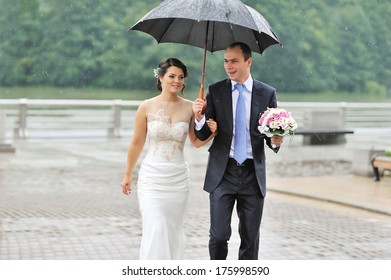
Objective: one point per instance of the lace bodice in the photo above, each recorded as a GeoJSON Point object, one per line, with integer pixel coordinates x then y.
{"type": "Point", "coordinates": [166, 139]}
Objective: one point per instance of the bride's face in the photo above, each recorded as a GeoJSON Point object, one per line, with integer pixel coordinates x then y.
{"type": "Point", "coordinates": [173, 80]}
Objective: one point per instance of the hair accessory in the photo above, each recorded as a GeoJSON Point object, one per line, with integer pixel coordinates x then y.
{"type": "Point", "coordinates": [155, 73]}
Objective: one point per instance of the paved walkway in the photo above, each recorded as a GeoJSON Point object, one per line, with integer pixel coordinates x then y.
{"type": "Point", "coordinates": [61, 199]}
{"type": "Point", "coordinates": [355, 191]}
{"type": "Point", "coordinates": [327, 173]}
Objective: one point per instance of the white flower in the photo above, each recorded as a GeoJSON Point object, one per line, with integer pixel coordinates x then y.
{"type": "Point", "coordinates": [155, 73]}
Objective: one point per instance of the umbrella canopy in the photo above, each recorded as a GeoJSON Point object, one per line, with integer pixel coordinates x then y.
{"type": "Point", "coordinates": [209, 24]}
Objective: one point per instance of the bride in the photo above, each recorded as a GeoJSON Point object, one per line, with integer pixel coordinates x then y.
{"type": "Point", "coordinates": [163, 181]}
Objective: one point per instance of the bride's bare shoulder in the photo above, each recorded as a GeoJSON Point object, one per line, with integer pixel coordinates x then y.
{"type": "Point", "coordinates": [150, 103]}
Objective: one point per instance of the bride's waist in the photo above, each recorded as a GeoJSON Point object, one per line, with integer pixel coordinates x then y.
{"type": "Point", "coordinates": [164, 169]}
{"type": "Point", "coordinates": [164, 159]}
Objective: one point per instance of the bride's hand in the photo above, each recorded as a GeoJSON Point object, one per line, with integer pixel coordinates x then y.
{"type": "Point", "coordinates": [126, 185]}
{"type": "Point", "coordinates": [212, 126]}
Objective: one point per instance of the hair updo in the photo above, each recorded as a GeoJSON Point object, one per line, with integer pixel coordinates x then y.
{"type": "Point", "coordinates": [161, 70]}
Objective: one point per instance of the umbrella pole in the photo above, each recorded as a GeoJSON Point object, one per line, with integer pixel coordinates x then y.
{"type": "Point", "coordinates": [201, 93]}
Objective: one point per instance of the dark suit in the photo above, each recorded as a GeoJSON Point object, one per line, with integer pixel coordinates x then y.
{"type": "Point", "coordinates": [225, 181]}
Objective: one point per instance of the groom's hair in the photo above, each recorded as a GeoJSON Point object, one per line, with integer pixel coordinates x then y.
{"type": "Point", "coordinates": [244, 47]}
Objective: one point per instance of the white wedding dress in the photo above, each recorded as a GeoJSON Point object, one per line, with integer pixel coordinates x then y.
{"type": "Point", "coordinates": [163, 188]}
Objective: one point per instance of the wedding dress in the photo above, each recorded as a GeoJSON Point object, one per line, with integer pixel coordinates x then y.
{"type": "Point", "coordinates": [163, 188]}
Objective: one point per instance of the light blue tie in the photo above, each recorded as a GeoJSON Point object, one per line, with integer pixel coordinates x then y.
{"type": "Point", "coordinates": [240, 150]}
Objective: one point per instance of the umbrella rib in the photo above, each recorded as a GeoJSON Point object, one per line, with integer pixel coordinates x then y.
{"type": "Point", "coordinates": [191, 28]}
{"type": "Point", "coordinates": [211, 26]}
{"type": "Point", "coordinates": [171, 20]}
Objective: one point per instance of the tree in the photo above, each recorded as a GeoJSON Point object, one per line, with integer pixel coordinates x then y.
{"type": "Point", "coordinates": [328, 45]}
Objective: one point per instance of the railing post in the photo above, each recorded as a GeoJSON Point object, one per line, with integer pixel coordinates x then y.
{"type": "Point", "coordinates": [3, 146]}
{"type": "Point", "coordinates": [343, 112]}
{"type": "Point", "coordinates": [20, 129]}
{"type": "Point", "coordinates": [114, 129]}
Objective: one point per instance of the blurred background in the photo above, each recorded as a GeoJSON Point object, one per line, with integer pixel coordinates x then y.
{"type": "Point", "coordinates": [334, 50]}
{"type": "Point", "coordinates": [64, 132]}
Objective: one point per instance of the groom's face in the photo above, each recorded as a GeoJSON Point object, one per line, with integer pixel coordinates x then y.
{"type": "Point", "coordinates": [235, 66]}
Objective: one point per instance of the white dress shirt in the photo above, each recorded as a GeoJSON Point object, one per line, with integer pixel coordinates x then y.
{"type": "Point", "coordinates": [247, 92]}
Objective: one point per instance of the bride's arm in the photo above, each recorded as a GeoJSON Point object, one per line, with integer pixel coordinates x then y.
{"type": "Point", "coordinates": [135, 148]}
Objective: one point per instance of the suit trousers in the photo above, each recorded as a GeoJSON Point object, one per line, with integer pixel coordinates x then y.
{"type": "Point", "coordinates": [239, 185]}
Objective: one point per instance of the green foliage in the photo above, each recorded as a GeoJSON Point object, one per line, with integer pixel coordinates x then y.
{"type": "Point", "coordinates": [331, 45]}
{"type": "Point", "coordinates": [374, 88]}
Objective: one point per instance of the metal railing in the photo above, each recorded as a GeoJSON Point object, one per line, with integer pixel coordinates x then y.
{"type": "Point", "coordinates": [116, 117]}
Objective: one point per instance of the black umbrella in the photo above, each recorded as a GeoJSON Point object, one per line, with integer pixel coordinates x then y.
{"type": "Point", "coordinates": [209, 24]}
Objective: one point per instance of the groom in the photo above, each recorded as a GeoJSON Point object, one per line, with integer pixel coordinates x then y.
{"type": "Point", "coordinates": [236, 164]}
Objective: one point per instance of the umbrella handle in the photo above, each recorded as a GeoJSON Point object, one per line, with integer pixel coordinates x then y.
{"type": "Point", "coordinates": [201, 93]}
{"type": "Point", "coordinates": [201, 96]}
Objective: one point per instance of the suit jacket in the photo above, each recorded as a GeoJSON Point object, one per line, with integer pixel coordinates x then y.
{"type": "Point", "coordinates": [219, 108]}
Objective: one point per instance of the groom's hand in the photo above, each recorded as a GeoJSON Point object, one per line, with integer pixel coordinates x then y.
{"type": "Point", "coordinates": [276, 140]}
{"type": "Point", "coordinates": [198, 106]}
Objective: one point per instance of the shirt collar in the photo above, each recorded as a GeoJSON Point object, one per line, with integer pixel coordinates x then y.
{"type": "Point", "coordinates": [248, 84]}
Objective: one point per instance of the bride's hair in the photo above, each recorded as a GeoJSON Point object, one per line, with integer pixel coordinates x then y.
{"type": "Point", "coordinates": [162, 69]}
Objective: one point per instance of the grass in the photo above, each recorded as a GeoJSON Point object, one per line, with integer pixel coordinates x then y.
{"type": "Point", "coordinates": [124, 94]}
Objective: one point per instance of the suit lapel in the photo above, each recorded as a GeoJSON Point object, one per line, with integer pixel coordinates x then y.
{"type": "Point", "coordinates": [256, 101]}
{"type": "Point", "coordinates": [227, 100]}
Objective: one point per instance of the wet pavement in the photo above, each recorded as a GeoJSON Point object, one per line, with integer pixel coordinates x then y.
{"type": "Point", "coordinates": [61, 199]}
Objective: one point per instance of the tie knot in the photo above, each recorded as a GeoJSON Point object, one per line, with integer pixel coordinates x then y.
{"type": "Point", "coordinates": [239, 87]}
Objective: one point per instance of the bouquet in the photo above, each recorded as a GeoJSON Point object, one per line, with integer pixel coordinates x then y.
{"type": "Point", "coordinates": [276, 121]}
